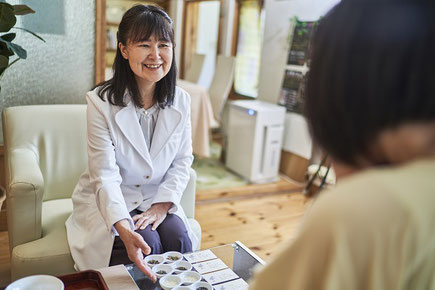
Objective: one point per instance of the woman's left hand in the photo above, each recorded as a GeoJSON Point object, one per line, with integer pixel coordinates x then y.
{"type": "Point", "coordinates": [154, 216]}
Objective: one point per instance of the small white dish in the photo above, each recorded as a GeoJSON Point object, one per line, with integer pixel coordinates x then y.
{"type": "Point", "coordinates": [181, 266]}
{"type": "Point", "coordinates": [154, 260]}
{"type": "Point", "coordinates": [201, 285]}
{"type": "Point", "coordinates": [172, 256]}
{"type": "Point", "coordinates": [37, 282]}
{"type": "Point", "coordinates": [170, 281]}
{"type": "Point", "coordinates": [163, 269]}
{"type": "Point", "coordinates": [190, 277]}
{"type": "Point", "coordinates": [183, 288]}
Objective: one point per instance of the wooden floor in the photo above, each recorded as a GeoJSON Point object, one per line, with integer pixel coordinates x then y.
{"type": "Point", "coordinates": [263, 217]}
{"type": "Point", "coordinates": [262, 223]}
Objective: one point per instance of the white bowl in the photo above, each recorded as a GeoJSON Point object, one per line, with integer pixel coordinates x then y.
{"type": "Point", "coordinates": [172, 256]}
{"type": "Point", "coordinates": [170, 281]}
{"type": "Point", "coordinates": [199, 284]}
{"type": "Point", "coordinates": [190, 277]}
{"type": "Point", "coordinates": [151, 258]}
{"type": "Point", "coordinates": [183, 265]}
{"type": "Point", "coordinates": [167, 268]}
{"type": "Point", "coordinates": [37, 282]}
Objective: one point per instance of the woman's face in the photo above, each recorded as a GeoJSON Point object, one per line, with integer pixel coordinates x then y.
{"type": "Point", "coordinates": [149, 60]}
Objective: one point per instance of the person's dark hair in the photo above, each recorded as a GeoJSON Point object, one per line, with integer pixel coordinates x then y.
{"type": "Point", "coordinates": [138, 24]}
{"type": "Point", "coordinates": [372, 69]}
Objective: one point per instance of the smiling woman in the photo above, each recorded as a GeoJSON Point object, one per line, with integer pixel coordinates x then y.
{"type": "Point", "coordinates": [127, 203]}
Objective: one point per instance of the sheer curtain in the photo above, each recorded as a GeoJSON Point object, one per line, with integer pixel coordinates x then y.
{"type": "Point", "coordinates": [251, 27]}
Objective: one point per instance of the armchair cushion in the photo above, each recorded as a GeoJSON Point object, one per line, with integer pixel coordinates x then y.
{"type": "Point", "coordinates": [50, 253]}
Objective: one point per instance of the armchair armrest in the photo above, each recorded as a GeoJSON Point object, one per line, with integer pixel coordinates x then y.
{"type": "Point", "coordinates": [188, 199]}
{"type": "Point", "coordinates": [25, 187]}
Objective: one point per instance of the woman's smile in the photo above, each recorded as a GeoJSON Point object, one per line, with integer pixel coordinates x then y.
{"type": "Point", "coordinates": [152, 66]}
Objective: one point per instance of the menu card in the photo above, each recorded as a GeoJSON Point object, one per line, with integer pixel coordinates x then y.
{"type": "Point", "coordinates": [215, 271]}
{"type": "Point", "coordinates": [200, 256]}
{"type": "Point", "coordinates": [238, 284]}
{"type": "Point", "coordinates": [210, 266]}
{"type": "Point", "coordinates": [220, 276]}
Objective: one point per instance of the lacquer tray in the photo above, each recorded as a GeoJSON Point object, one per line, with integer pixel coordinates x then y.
{"type": "Point", "coordinates": [84, 280]}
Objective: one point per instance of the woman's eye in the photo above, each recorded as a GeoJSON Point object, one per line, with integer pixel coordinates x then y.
{"type": "Point", "coordinates": [145, 45]}
{"type": "Point", "coordinates": [164, 45]}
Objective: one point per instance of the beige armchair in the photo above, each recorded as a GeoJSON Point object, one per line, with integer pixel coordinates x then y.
{"type": "Point", "coordinates": [45, 153]}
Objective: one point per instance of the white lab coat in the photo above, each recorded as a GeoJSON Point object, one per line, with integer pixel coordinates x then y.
{"type": "Point", "coordinates": [123, 174]}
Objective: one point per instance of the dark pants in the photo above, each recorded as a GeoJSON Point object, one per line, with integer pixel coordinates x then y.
{"type": "Point", "coordinates": [170, 235]}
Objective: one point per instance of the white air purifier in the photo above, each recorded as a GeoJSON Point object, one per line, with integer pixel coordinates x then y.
{"type": "Point", "coordinates": [254, 140]}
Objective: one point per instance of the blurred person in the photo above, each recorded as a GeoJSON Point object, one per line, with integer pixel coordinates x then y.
{"type": "Point", "coordinates": [370, 104]}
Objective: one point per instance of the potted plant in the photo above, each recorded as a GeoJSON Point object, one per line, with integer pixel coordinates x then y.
{"type": "Point", "coordinates": [8, 20]}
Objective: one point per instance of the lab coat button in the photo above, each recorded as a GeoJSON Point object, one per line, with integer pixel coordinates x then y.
{"type": "Point", "coordinates": [147, 177]}
{"type": "Point", "coordinates": [137, 185]}
{"type": "Point", "coordinates": [135, 202]}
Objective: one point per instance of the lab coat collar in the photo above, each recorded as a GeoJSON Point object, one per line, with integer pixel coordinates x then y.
{"type": "Point", "coordinates": [126, 119]}
{"type": "Point", "coordinates": [167, 122]}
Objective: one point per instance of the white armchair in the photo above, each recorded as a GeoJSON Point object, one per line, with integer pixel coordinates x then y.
{"type": "Point", "coordinates": [45, 153]}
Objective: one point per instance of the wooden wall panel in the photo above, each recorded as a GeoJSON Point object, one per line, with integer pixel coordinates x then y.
{"type": "Point", "coordinates": [293, 166]}
{"type": "Point", "coordinates": [191, 18]}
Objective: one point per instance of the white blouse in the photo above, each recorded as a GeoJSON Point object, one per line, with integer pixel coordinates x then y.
{"type": "Point", "coordinates": [147, 120]}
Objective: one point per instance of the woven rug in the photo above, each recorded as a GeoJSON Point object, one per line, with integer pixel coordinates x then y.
{"type": "Point", "coordinates": [212, 174]}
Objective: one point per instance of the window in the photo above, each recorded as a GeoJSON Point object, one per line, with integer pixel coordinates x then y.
{"type": "Point", "coordinates": [249, 42]}
{"type": "Point", "coordinates": [201, 35]}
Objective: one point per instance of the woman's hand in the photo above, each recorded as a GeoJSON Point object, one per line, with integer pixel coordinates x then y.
{"type": "Point", "coordinates": [136, 247]}
{"type": "Point", "coordinates": [153, 216]}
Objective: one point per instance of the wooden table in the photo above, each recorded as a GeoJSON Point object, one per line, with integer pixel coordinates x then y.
{"type": "Point", "coordinates": [201, 116]}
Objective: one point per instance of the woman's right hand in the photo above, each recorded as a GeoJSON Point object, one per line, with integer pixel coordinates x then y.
{"type": "Point", "coordinates": [136, 247]}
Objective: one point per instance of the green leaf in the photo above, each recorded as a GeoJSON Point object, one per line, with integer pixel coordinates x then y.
{"type": "Point", "coordinates": [7, 17]}
{"type": "Point", "coordinates": [22, 10]}
{"type": "Point", "coordinates": [18, 50]}
{"type": "Point", "coordinates": [2, 70]}
{"type": "Point", "coordinates": [31, 32]}
{"type": "Point", "coordinates": [5, 3]}
{"type": "Point", "coordinates": [4, 61]}
{"type": "Point", "coordinates": [4, 50]}
{"type": "Point", "coordinates": [8, 37]}
{"type": "Point", "coordinates": [15, 48]}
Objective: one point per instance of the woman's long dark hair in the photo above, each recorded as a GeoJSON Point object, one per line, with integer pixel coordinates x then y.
{"type": "Point", "coordinates": [138, 24]}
